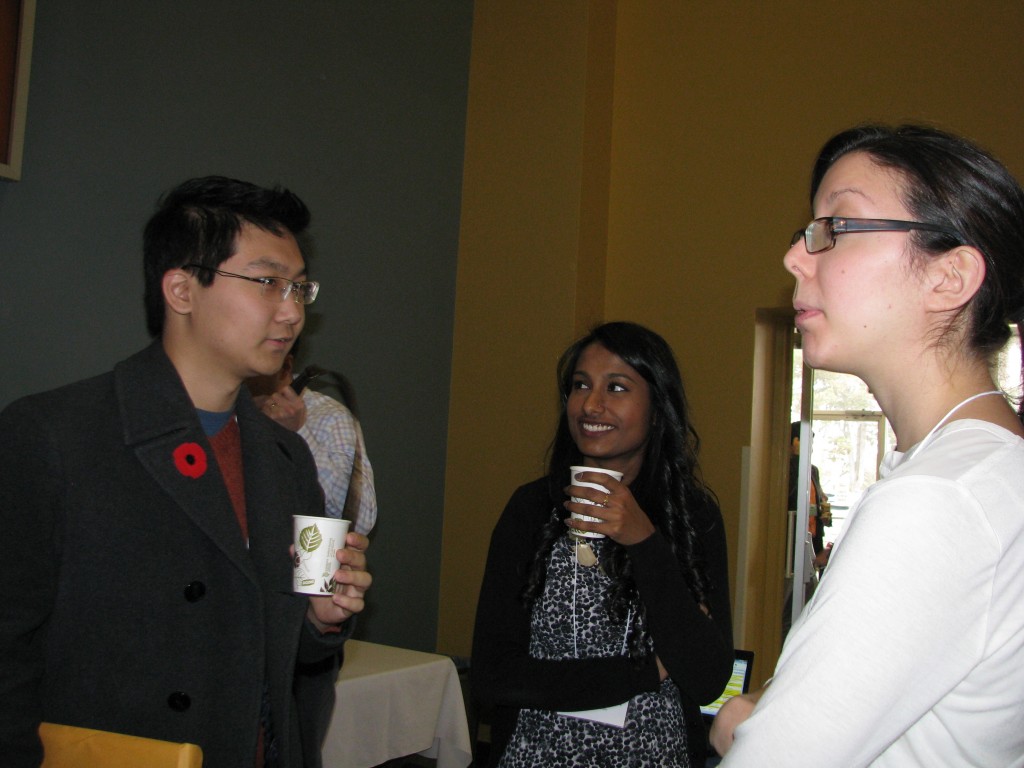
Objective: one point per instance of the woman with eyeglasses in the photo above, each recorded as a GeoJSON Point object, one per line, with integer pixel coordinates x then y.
{"type": "Point", "coordinates": [911, 652]}
{"type": "Point", "coordinates": [598, 651]}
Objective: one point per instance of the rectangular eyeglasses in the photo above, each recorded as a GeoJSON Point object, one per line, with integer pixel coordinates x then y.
{"type": "Point", "coordinates": [275, 289]}
{"type": "Point", "coordinates": [820, 234]}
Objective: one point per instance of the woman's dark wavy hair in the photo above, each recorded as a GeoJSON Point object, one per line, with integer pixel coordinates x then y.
{"type": "Point", "coordinates": [950, 181]}
{"type": "Point", "coordinates": [669, 487]}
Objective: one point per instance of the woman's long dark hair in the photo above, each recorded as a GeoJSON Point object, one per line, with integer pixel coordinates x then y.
{"type": "Point", "coordinates": [669, 487]}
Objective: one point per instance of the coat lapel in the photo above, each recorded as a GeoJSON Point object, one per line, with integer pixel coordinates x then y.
{"type": "Point", "coordinates": [161, 426]}
{"type": "Point", "coordinates": [271, 502]}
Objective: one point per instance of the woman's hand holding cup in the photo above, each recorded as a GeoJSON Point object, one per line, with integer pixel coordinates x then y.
{"type": "Point", "coordinates": [600, 504]}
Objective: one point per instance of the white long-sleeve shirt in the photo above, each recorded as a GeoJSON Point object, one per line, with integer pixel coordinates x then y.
{"type": "Point", "coordinates": [911, 652]}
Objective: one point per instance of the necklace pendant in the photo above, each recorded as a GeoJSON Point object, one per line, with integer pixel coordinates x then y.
{"type": "Point", "coordinates": [585, 554]}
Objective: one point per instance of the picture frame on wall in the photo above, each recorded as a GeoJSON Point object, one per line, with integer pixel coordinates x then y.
{"type": "Point", "coordinates": [17, 21]}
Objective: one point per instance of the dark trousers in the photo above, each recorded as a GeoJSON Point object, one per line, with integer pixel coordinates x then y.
{"type": "Point", "coordinates": [314, 703]}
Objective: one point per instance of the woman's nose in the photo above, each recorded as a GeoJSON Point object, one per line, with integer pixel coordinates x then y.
{"type": "Point", "coordinates": [797, 260]}
{"type": "Point", "coordinates": [594, 402]}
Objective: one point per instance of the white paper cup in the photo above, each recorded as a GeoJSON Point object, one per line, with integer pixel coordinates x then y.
{"type": "Point", "coordinates": [316, 540]}
{"type": "Point", "coordinates": [573, 472]}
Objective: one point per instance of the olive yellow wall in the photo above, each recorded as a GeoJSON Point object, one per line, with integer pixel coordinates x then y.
{"type": "Point", "coordinates": [649, 161]}
{"type": "Point", "coordinates": [525, 221]}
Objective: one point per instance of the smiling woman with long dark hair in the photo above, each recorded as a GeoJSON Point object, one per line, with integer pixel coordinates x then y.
{"type": "Point", "coordinates": [635, 624]}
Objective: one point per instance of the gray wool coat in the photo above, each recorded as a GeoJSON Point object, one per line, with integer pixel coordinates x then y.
{"type": "Point", "coordinates": [129, 601]}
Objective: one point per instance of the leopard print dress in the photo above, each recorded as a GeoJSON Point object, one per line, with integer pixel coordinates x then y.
{"type": "Point", "coordinates": [654, 735]}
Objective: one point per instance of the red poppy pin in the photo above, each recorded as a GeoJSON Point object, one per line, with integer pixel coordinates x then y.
{"type": "Point", "coordinates": [190, 459]}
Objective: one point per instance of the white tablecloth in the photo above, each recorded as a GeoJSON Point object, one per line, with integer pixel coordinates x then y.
{"type": "Point", "coordinates": [393, 702]}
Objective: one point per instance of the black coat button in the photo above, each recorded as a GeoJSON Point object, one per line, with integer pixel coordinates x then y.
{"type": "Point", "coordinates": [179, 701]}
{"type": "Point", "coordinates": [195, 591]}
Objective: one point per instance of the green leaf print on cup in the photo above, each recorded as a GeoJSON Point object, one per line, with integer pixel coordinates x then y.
{"type": "Point", "coordinates": [310, 540]}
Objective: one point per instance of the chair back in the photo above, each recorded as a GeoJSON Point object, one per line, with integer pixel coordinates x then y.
{"type": "Point", "coordinates": [67, 746]}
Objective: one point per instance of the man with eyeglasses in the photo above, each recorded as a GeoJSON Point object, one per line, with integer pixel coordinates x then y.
{"type": "Point", "coordinates": [146, 571]}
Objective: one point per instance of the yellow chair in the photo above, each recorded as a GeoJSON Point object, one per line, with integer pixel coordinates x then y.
{"type": "Point", "coordinates": [66, 746]}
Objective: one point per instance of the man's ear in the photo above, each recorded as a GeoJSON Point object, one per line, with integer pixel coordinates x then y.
{"type": "Point", "coordinates": [177, 287]}
{"type": "Point", "coordinates": [955, 277]}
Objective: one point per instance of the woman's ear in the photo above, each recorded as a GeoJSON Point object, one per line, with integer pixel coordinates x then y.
{"type": "Point", "coordinates": [955, 277]}
{"type": "Point", "coordinates": [177, 288]}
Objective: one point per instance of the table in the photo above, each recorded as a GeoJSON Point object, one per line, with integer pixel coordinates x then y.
{"type": "Point", "coordinates": [393, 702]}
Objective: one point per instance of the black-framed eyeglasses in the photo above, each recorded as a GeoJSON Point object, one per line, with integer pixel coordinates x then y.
{"type": "Point", "coordinates": [820, 234]}
{"type": "Point", "coordinates": [275, 289]}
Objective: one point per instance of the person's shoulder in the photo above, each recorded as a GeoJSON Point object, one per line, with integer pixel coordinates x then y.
{"type": "Point", "coordinates": [963, 449]}
{"type": "Point", "coordinates": [533, 498]}
{"type": "Point", "coordinates": [317, 398]}
{"type": "Point", "coordinates": [89, 393]}
{"type": "Point", "coordinates": [528, 508]}
{"type": "Point", "coordinates": [968, 474]}
{"type": "Point", "coordinates": [320, 403]}
{"type": "Point", "coordinates": [533, 492]}
{"type": "Point", "coordinates": [705, 512]}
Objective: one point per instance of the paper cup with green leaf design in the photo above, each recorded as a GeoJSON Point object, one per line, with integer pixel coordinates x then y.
{"type": "Point", "coordinates": [317, 539]}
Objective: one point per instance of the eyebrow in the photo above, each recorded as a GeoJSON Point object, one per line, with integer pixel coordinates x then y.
{"type": "Point", "coordinates": [837, 193]}
{"type": "Point", "coordinates": [265, 263]}
{"type": "Point", "coordinates": [612, 375]}
{"type": "Point", "coordinates": [625, 376]}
